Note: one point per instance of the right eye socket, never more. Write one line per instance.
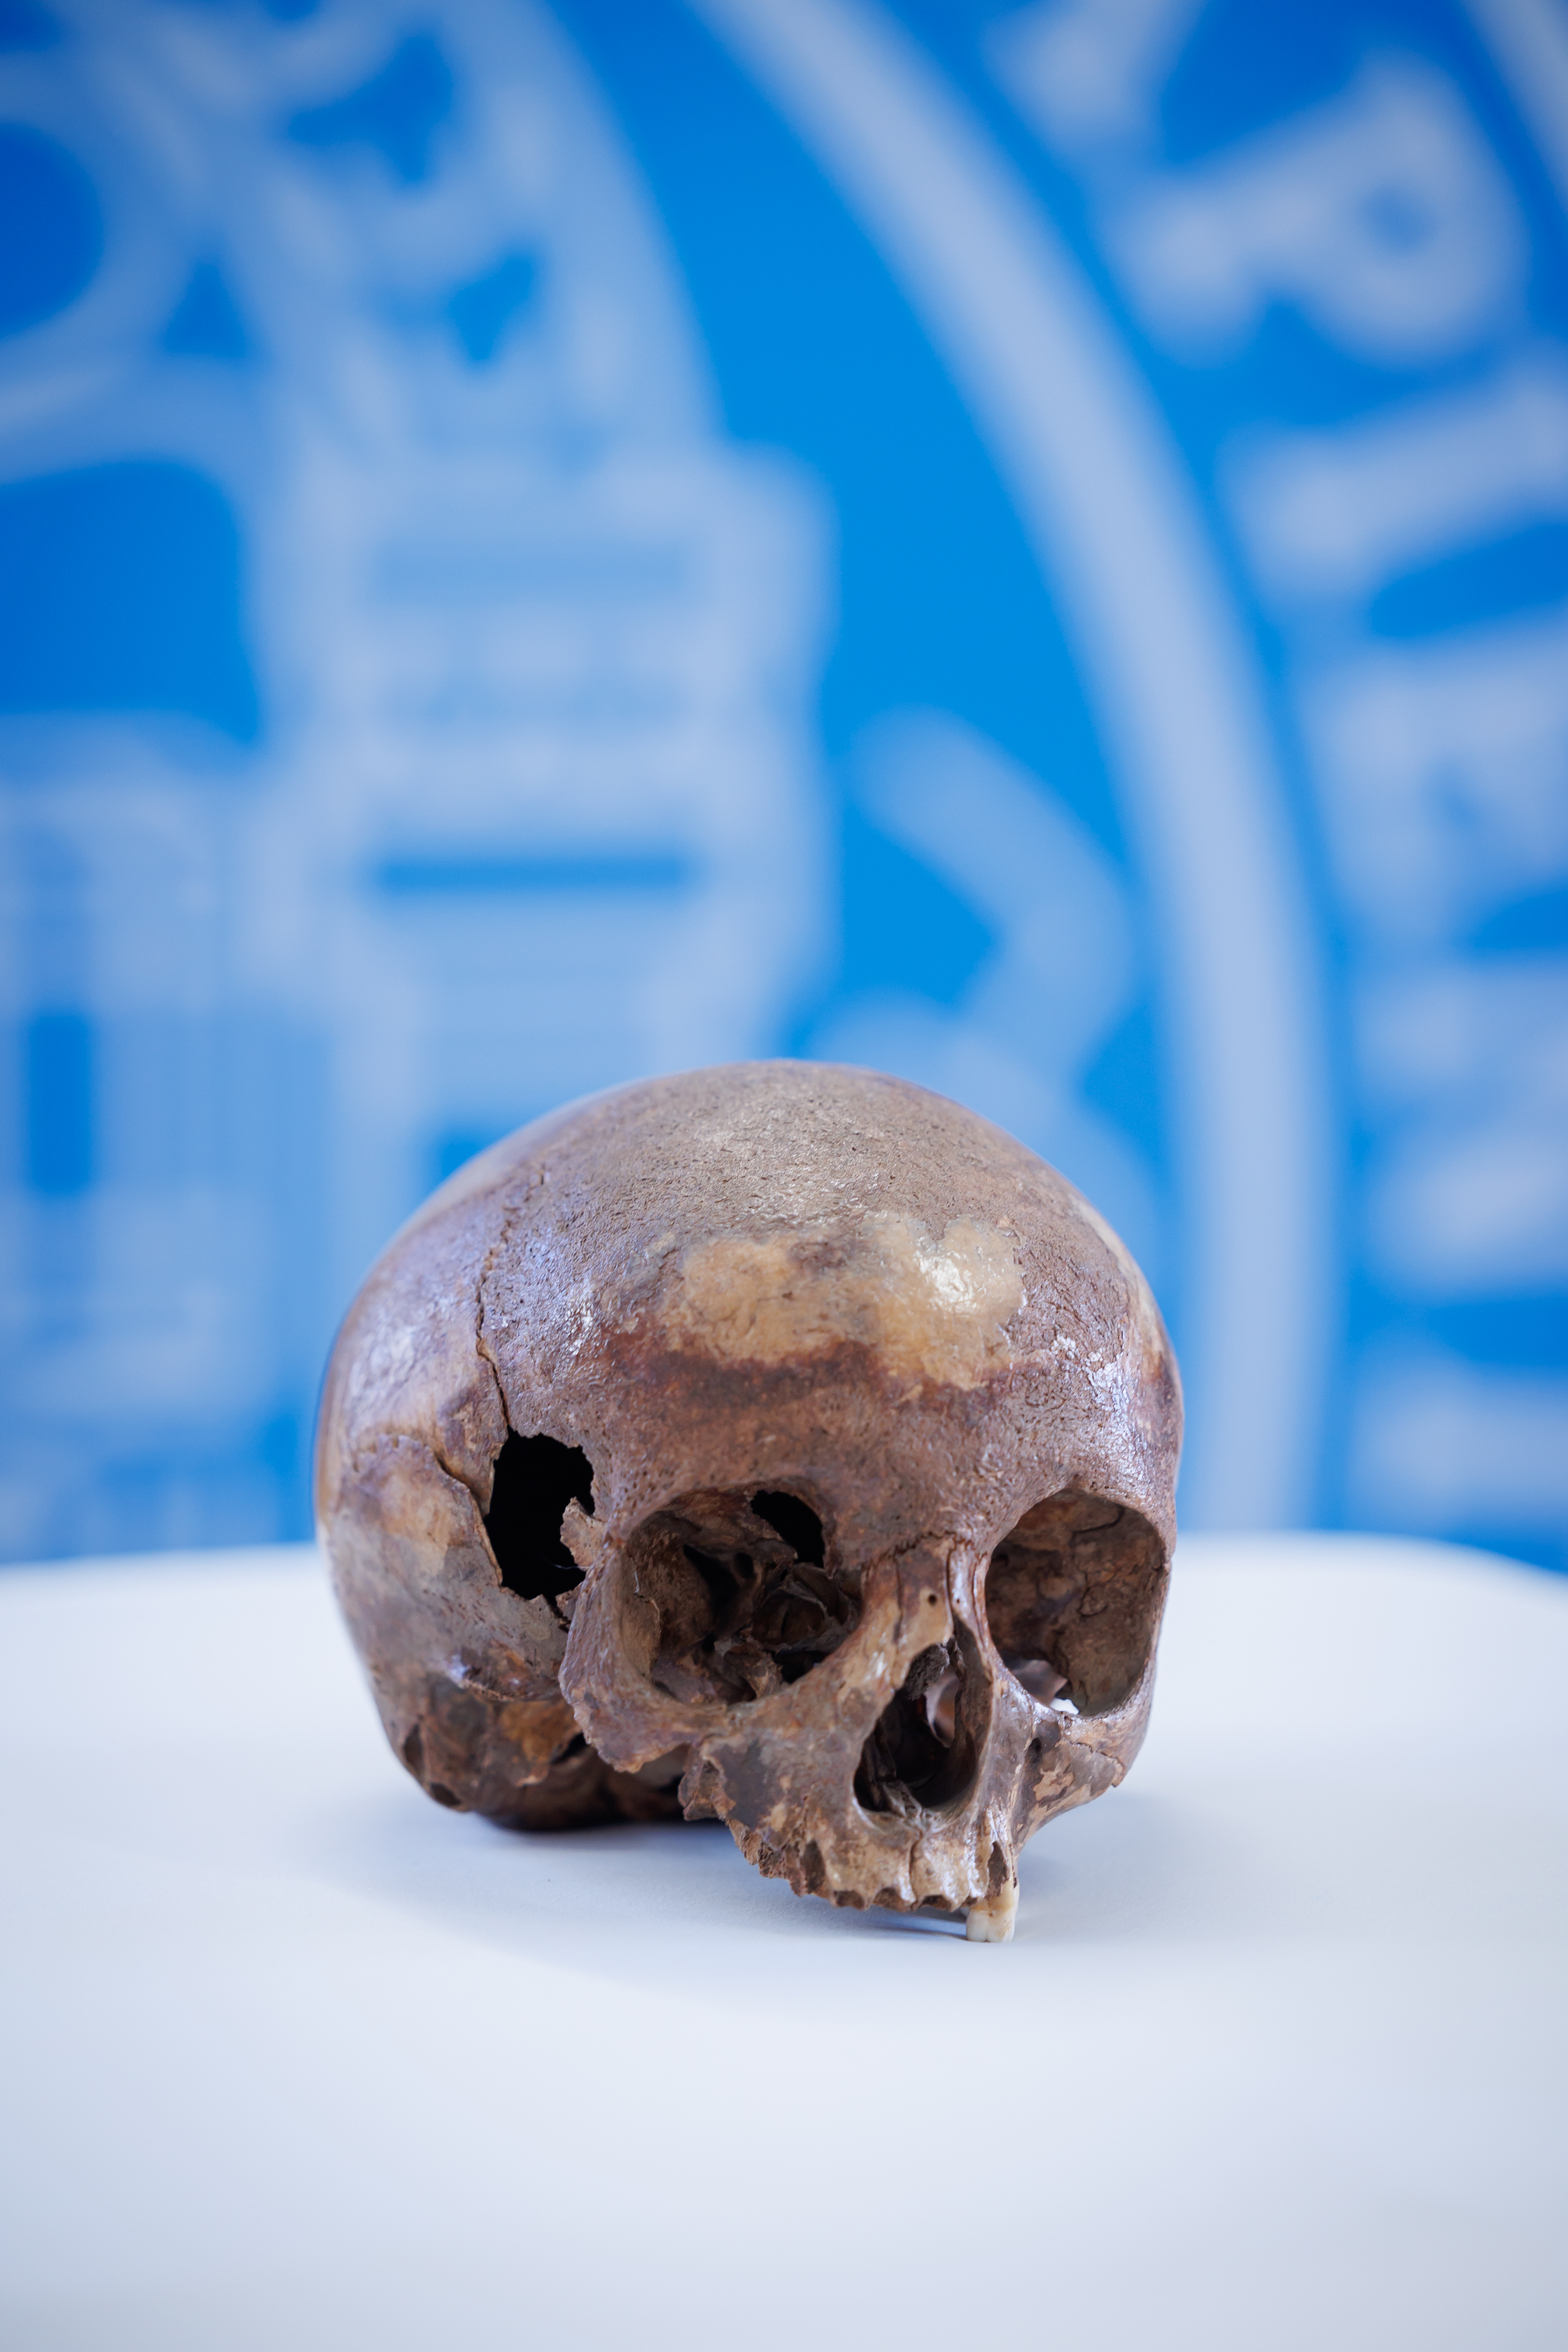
(745, 1599)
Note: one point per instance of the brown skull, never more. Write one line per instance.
(780, 1442)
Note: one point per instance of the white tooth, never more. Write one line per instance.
(990, 1922)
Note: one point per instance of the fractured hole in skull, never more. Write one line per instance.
(921, 1753)
(535, 1478)
(745, 1599)
(1072, 1596)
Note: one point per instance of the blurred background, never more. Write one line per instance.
(1023, 545)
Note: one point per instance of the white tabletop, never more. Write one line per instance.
(294, 2059)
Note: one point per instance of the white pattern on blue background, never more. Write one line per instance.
(536, 810)
(418, 696)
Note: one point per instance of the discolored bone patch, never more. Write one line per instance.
(931, 1309)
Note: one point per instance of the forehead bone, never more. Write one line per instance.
(768, 1213)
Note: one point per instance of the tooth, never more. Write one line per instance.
(990, 1922)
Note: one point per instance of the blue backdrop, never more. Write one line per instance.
(1024, 545)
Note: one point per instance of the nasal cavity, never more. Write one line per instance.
(922, 1752)
(535, 1478)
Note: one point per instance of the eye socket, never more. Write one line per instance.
(534, 1479)
(796, 1521)
(745, 1599)
(1072, 1596)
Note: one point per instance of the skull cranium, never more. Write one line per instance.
(779, 1443)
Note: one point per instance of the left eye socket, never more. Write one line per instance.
(1072, 1596)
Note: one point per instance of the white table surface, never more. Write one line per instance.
(294, 2059)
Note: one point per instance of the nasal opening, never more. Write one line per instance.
(921, 1753)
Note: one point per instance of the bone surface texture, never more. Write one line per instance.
(780, 1443)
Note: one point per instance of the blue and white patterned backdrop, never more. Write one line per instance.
(1026, 545)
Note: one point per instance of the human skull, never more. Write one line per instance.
(779, 1443)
